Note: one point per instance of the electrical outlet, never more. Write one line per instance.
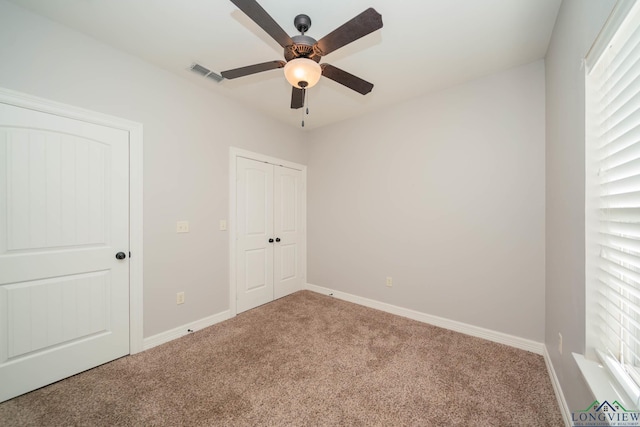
(389, 282)
(182, 227)
(560, 342)
(180, 298)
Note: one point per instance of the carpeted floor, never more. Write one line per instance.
(304, 360)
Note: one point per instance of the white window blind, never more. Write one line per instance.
(613, 200)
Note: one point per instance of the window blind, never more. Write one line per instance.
(613, 199)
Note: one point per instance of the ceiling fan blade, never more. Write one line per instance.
(297, 98)
(346, 79)
(252, 69)
(253, 10)
(363, 24)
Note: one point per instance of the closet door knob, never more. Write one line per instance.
(270, 240)
(277, 239)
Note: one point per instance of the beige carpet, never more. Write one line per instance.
(304, 360)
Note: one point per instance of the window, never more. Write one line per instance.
(613, 197)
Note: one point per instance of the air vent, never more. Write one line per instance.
(197, 68)
(204, 71)
(214, 76)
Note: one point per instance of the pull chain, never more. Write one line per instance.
(305, 99)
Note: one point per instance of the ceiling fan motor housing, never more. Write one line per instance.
(302, 47)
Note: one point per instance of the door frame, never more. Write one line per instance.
(134, 129)
(234, 153)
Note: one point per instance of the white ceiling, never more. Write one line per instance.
(424, 46)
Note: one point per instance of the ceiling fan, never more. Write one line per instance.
(302, 53)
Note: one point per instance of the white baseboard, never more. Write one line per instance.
(180, 331)
(562, 402)
(476, 331)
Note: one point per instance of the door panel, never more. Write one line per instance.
(257, 199)
(288, 256)
(42, 314)
(288, 198)
(64, 213)
(254, 257)
(256, 262)
(55, 191)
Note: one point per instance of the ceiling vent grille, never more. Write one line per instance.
(204, 71)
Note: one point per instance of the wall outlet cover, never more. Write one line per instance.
(182, 227)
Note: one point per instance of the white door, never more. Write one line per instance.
(64, 209)
(288, 231)
(270, 235)
(254, 261)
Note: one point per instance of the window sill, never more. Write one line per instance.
(601, 384)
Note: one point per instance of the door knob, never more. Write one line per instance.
(270, 240)
(277, 239)
(121, 255)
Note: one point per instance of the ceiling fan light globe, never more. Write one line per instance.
(302, 70)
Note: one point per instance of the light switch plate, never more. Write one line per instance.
(223, 224)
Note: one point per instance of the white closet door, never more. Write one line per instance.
(64, 214)
(254, 252)
(288, 229)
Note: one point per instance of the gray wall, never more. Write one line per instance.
(187, 134)
(577, 26)
(444, 193)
